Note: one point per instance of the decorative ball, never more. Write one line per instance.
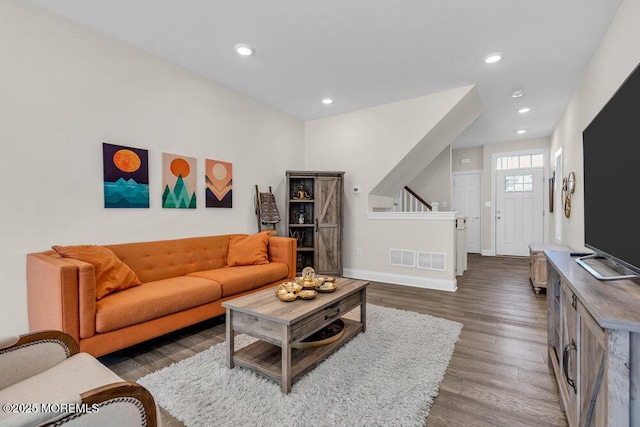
(308, 273)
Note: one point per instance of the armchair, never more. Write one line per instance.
(44, 380)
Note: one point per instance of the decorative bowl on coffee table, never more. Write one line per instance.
(327, 287)
(307, 294)
(284, 295)
(330, 333)
(292, 286)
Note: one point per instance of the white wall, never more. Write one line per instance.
(64, 90)
(614, 60)
(475, 156)
(367, 144)
(434, 183)
(481, 159)
(447, 115)
(488, 151)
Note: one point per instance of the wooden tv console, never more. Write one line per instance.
(594, 344)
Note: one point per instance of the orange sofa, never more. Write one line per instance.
(184, 281)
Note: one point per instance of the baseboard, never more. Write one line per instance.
(401, 279)
(487, 252)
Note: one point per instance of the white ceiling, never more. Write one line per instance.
(364, 53)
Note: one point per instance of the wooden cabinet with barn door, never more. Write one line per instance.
(594, 344)
(314, 219)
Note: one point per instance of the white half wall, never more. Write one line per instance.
(64, 90)
(433, 232)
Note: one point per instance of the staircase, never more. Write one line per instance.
(408, 201)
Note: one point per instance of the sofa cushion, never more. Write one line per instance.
(153, 300)
(163, 259)
(248, 250)
(112, 274)
(244, 278)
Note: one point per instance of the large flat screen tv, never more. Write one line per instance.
(611, 147)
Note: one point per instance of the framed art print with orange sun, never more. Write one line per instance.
(178, 181)
(126, 176)
(218, 177)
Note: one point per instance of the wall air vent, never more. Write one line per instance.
(402, 257)
(432, 261)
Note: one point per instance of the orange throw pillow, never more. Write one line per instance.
(112, 274)
(248, 250)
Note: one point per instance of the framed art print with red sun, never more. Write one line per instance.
(218, 177)
(126, 176)
(178, 181)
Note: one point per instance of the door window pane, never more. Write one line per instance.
(525, 161)
(537, 161)
(518, 183)
(512, 162)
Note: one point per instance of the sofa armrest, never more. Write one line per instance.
(283, 249)
(118, 404)
(125, 393)
(7, 341)
(34, 353)
(61, 294)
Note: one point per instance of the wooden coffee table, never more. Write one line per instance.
(278, 325)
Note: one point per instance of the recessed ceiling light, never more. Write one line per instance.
(327, 101)
(517, 93)
(493, 58)
(521, 131)
(524, 110)
(244, 49)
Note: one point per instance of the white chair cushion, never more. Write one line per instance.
(69, 378)
(30, 419)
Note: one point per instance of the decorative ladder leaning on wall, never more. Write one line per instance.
(266, 210)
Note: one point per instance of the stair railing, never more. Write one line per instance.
(412, 202)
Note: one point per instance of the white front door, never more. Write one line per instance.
(519, 210)
(467, 202)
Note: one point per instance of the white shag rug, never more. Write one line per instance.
(387, 376)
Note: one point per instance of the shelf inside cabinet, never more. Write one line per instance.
(314, 219)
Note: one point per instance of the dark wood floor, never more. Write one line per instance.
(498, 375)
